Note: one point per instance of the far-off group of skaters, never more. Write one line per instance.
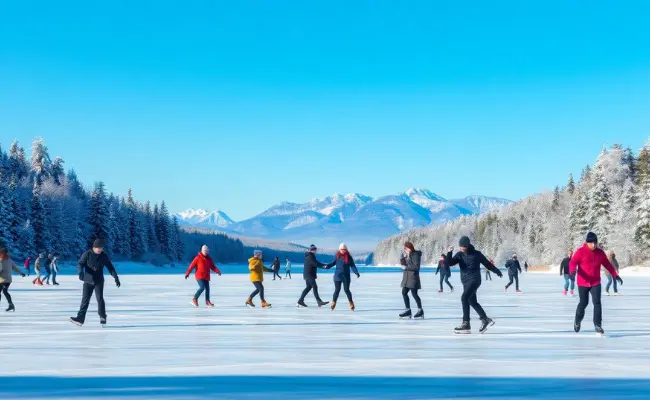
(583, 266)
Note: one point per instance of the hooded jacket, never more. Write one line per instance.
(411, 276)
(587, 263)
(343, 268)
(470, 264)
(310, 270)
(513, 266)
(564, 266)
(443, 268)
(257, 269)
(6, 266)
(92, 265)
(203, 265)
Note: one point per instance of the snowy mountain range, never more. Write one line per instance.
(359, 219)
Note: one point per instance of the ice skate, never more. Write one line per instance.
(572, 294)
(266, 305)
(102, 321)
(333, 306)
(352, 307)
(209, 304)
(195, 302)
(599, 330)
(11, 308)
(565, 292)
(485, 324)
(301, 304)
(75, 321)
(464, 328)
(617, 294)
(249, 303)
(406, 314)
(576, 326)
(440, 291)
(519, 291)
(322, 303)
(419, 314)
(607, 293)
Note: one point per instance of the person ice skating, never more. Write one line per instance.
(310, 274)
(586, 262)
(28, 262)
(37, 269)
(469, 260)
(54, 269)
(488, 277)
(48, 270)
(91, 273)
(526, 266)
(514, 269)
(569, 279)
(612, 259)
(411, 280)
(288, 269)
(276, 268)
(6, 266)
(344, 263)
(257, 269)
(202, 263)
(445, 273)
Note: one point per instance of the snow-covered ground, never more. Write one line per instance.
(157, 345)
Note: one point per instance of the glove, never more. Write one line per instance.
(619, 280)
(81, 276)
(187, 276)
(219, 273)
(358, 276)
(23, 275)
(117, 282)
(499, 274)
(450, 249)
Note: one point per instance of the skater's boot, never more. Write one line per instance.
(265, 304)
(301, 304)
(39, 282)
(464, 328)
(506, 288)
(572, 294)
(440, 291)
(102, 321)
(322, 303)
(55, 284)
(333, 306)
(565, 292)
(576, 326)
(76, 321)
(599, 330)
(195, 302)
(419, 314)
(452, 290)
(485, 324)
(607, 293)
(352, 307)
(249, 303)
(209, 304)
(519, 291)
(406, 314)
(11, 308)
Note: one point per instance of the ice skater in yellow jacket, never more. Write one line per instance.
(257, 269)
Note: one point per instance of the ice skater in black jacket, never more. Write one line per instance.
(469, 260)
(91, 272)
(310, 273)
(514, 269)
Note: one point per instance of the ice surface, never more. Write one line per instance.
(157, 345)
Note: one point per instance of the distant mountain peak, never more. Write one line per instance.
(206, 219)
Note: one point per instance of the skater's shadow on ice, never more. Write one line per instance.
(210, 325)
(320, 387)
(44, 290)
(626, 334)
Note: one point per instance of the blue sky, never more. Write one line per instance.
(240, 105)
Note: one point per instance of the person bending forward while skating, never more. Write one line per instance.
(91, 273)
(257, 269)
(469, 260)
(344, 263)
(203, 264)
(587, 261)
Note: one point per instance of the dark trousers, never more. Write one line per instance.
(583, 292)
(276, 272)
(311, 284)
(515, 278)
(488, 277)
(346, 287)
(46, 278)
(469, 299)
(204, 285)
(288, 274)
(4, 289)
(416, 297)
(88, 290)
(259, 289)
(611, 280)
(54, 276)
(445, 278)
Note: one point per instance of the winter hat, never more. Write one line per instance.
(464, 242)
(312, 248)
(514, 255)
(257, 253)
(409, 246)
(204, 248)
(343, 246)
(98, 243)
(592, 238)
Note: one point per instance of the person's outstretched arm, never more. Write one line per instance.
(519, 267)
(490, 266)
(452, 259)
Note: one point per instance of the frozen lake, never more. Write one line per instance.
(157, 345)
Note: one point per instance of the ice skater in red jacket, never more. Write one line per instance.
(203, 264)
(587, 260)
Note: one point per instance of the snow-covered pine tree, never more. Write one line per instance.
(38, 219)
(600, 207)
(25, 240)
(152, 240)
(643, 198)
(571, 185)
(165, 236)
(137, 232)
(57, 171)
(556, 199)
(74, 185)
(113, 225)
(98, 217)
(123, 228)
(156, 224)
(6, 238)
(578, 222)
(41, 163)
(180, 243)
